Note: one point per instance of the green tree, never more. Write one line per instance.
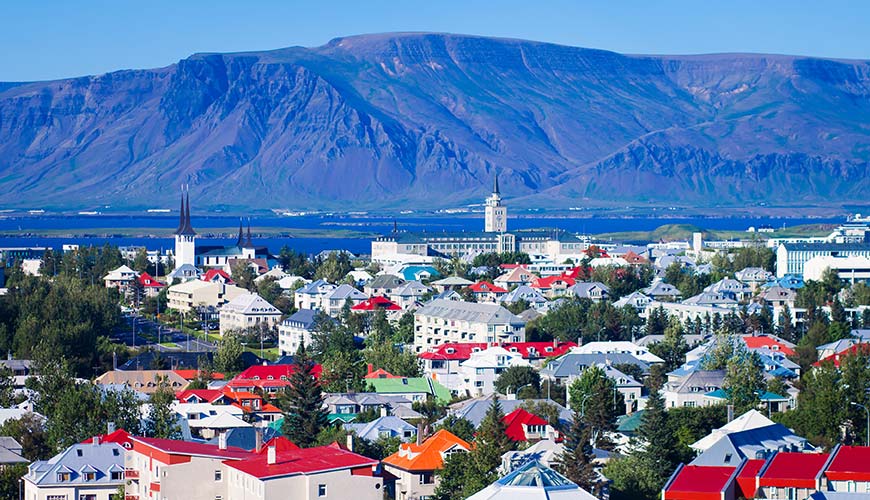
(744, 380)
(228, 357)
(10, 475)
(595, 396)
(162, 419)
(659, 443)
(302, 403)
(29, 431)
(524, 379)
(576, 460)
(458, 426)
(140, 262)
(633, 478)
(334, 268)
(673, 347)
(243, 275)
(453, 477)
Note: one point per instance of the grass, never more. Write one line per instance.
(683, 232)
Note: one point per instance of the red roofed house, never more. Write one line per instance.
(150, 285)
(213, 396)
(484, 291)
(835, 358)
(376, 303)
(271, 379)
(218, 276)
(791, 475)
(118, 436)
(522, 426)
(746, 478)
(848, 470)
(768, 342)
(635, 259)
(553, 286)
(166, 468)
(701, 482)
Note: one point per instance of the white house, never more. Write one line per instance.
(624, 347)
(246, 311)
(478, 373)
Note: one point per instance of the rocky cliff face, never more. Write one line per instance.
(423, 120)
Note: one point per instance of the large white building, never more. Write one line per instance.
(442, 321)
(791, 257)
(196, 293)
(495, 215)
(851, 269)
(479, 372)
(247, 311)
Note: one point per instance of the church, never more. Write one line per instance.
(189, 256)
(495, 237)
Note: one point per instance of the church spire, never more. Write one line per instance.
(184, 226)
(180, 229)
(241, 239)
(495, 184)
(249, 243)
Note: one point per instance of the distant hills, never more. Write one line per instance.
(424, 120)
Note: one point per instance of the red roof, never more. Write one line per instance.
(633, 258)
(835, 358)
(301, 461)
(214, 275)
(375, 303)
(698, 482)
(178, 447)
(765, 341)
(148, 281)
(508, 267)
(270, 372)
(119, 436)
(194, 374)
(793, 470)
(208, 395)
(551, 281)
(746, 478)
(280, 443)
(850, 463)
(529, 350)
(515, 420)
(486, 287)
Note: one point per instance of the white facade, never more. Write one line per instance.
(186, 296)
(849, 269)
(443, 321)
(479, 372)
(247, 311)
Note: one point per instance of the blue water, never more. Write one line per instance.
(375, 224)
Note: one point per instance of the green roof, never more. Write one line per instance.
(410, 385)
(763, 396)
(343, 417)
(629, 423)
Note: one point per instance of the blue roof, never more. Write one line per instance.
(103, 458)
(412, 273)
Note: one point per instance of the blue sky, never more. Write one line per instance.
(46, 39)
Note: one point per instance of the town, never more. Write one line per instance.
(493, 364)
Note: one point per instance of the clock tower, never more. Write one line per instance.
(496, 213)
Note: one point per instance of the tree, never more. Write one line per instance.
(458, 426)
(228, 357)
(140, 262)
(633, 478)
(576, 460)
(594, 395)
(659, 441)
(29, 431)
(673, 347)
(516, 378)
(453, 477)
(243, 275)
(7, 388)
(334, 267)
(304, 415)
(10, 475)
(744, 380)
(162, 420)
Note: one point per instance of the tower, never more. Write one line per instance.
(496, 213)
(248, 249)
(185, 236)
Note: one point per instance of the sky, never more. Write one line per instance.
(49, 39)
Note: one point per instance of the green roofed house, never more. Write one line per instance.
(413, 388)
(775, 402)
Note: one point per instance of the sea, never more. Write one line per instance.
(213, 229)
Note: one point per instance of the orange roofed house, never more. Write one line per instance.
(415, 463)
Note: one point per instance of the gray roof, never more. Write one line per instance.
(313, 288)
(371, 431)
(827, 247)
(523, 292)
(103, 459)
(345, 292)
(634, 299)
(246, 437)
(573, 364)
(710, 299)
(661, 289)
(470, 311)
(411, 289)
(387, 281)
(752, 444)
(475, 409)
(303, 318)
(582, 289)
(706, 379)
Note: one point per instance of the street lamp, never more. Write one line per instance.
(867, 442)
(583, 405)
(517, 391)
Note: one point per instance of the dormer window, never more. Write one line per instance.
(90, 476)
(450, 350)
(63, 476)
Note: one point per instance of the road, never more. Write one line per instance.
(166, 335)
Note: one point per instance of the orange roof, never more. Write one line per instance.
(381, 373)
(764, 341)
(425, 456)
(194, 374)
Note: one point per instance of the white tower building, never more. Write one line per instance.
(496, 213)
(185, 236)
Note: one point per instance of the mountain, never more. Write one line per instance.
(415, 120)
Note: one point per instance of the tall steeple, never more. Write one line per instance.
(241, 240)
(185, 236)
(184, 225)
(249, 243)
(495, 184)
(495, 214)
(180, 229)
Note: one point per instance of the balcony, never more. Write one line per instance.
(131, 497)
(131, 474)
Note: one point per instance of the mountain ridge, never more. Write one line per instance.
(388, 120)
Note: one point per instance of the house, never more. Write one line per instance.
(791, 475)
(523, 293)
(474, 409)
(415, 464)
(484, 291)
(623, 347)
(408, 295)
(346, 406)
(319, 472)
(268, 379)
(690, 389)
(570, 366)
(593, 291)
(11, 452)
(450, 283)
(386, 426)
(90, 471)
(554, 286)
(712, 299)
(312, 295)
(191, 295)
(416, 389)
(477, 374)
(150, 286)
(248, 311)
(755, 277)
(218, 276)
(144, 381)
(662, 291)
(533, 480)
(739, 290)
(694, 482)
(418, 273)
(375, 304)
(522, 426)
(518, 276)
(634, 259)
(183, 272)
(296, 330)
(120, 278)
(383, 285)
(335, 300)
(637, 300)
(442, 321)
(777, 296)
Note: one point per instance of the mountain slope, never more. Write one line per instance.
(423, 121)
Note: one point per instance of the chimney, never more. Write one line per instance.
(370, 368)
(383, 411)
(110, 427)
(349, 442)
(222, 440)
(419, 433)
(258, 440)
(96, 440)
(271, 456)
(730, 413)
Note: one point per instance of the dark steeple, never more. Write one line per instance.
(241, 240)
(184, 226)
(249, 243)
(495, 184)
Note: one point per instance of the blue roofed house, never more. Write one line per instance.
(418, 273)
(526, 293)
(91, 471)
(387, 426)
(295, 330)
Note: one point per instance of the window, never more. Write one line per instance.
(55, 497)
(79, 453)
(90, 476)
(117, 476)
(727, 458)
(427, 478)
(63, 476)
(87, 497)
(217, 475)
(321, 490)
